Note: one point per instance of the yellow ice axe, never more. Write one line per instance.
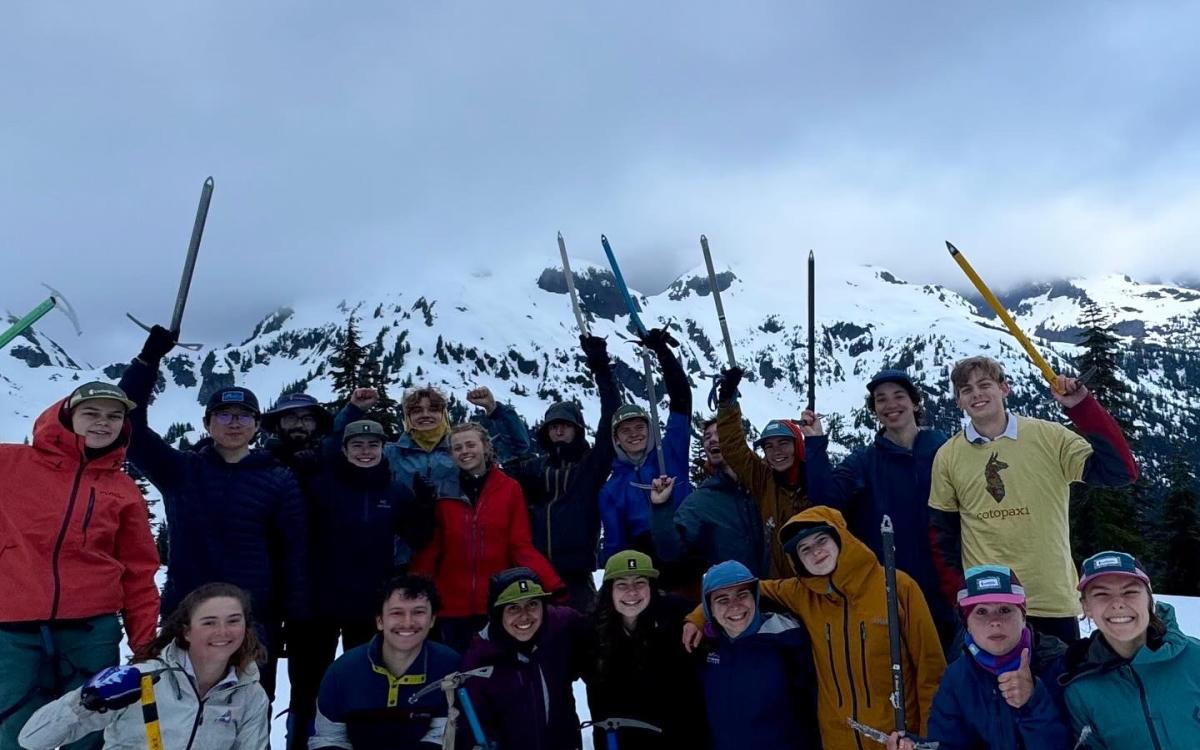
(1038, 360)
(154, 740)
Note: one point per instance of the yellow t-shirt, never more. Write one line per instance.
(1013, 499)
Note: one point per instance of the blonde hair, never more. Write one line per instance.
(484, 437)
(987, 367)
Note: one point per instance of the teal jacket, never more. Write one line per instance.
(1151, 701)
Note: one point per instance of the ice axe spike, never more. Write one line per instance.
(189, 265)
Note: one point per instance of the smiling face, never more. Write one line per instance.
(1120, 607)
(470, 454)
(522, 619)
(561, 432)
(982, 397)
(98, 421)
(217, 630)
(232, 427)
(631, 595)
(996, 627)
(818, 554)
(711, 445)
(733, 608)
(893, 406)
(423, 415)
(297, 426)
(632, 436)
(780, 453)
(364, 451)
(405, 621)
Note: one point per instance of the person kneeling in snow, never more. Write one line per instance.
(840, 596)
(1003, 694)
(759, 680)
(537, 650)
(364, 701)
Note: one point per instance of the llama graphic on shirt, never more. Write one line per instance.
(991, 472)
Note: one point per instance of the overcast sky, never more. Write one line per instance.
(350, 141)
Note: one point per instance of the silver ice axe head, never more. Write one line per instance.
(61, 303)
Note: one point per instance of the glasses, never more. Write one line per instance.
(226, 419)
(292, 420)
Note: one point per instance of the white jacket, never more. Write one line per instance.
(235, 715)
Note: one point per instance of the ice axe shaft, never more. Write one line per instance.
(655, 432)
(888, 534)
(621, 286)
(1038, 360)
(154, 740)
(812, 333)
(570, 278)
(716, 293)
(881, 737)
(55, 300)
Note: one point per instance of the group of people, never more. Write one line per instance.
(456, 565)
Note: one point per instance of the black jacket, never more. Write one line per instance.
(241, 523)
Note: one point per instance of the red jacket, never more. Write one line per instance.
(75, 537)
(472, 544)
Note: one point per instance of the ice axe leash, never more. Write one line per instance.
(54, 301)
(888, 533)
(881, 737)
(1038, 360)
(716, 293)
(453, 685)
(612, 726)
(189, 265)
(621, 286)
(570, 278)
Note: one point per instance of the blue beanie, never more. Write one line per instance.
(722, 576)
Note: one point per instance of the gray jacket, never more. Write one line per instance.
(235, 714)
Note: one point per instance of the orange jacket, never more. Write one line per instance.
(846, 617)
(75, 537)
(474, 542)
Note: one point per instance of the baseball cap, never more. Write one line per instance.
(364, 428)
(991, 583)
(776, 428)
(899, 377)
(98, 389)
(1111, 563)
(518, 591)
(232, 396)
(629, 563)
(627, 412)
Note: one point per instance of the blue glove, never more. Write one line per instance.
(112, 689)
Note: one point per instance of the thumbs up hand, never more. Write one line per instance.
(1017, 686)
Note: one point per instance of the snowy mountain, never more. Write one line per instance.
(512, 329)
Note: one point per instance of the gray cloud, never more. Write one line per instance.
(354, 143)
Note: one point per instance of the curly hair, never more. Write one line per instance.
(437, 399)
(488, 451)
(175, 626)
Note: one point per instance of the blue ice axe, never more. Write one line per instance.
(610, 727)
(452, 686)
(621, 286)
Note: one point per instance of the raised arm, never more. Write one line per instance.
(752, 472)
(826, 485)
(1109, 462)
(508, 431)
(679, 391)
(153, 456)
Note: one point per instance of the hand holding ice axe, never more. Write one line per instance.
(611, 726)
(452, 685)
(189, 266)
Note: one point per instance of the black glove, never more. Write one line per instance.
(658, 340)
(424, 490)
(595, 349)
(158, 344)
(727, 386)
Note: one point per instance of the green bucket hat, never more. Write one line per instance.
(519, 591)
(629, 563)
(364, 428)
(98, 389)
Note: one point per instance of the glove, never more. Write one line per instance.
(424, 490)
(112, 689)
(158, 344)
(595, 349)
(657, 340)
(727, 385)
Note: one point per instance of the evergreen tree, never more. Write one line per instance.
(346, 364)
(1102, 517)
(1181, 531)
(387, 411)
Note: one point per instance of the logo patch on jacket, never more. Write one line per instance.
(225, 718)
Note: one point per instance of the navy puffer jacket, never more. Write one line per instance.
(241, 523)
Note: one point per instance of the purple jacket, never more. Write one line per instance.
(528, 703)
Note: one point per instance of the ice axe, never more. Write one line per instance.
(622, 287)
(189, 265)
(611, 726)
(453, 686)
(881, 737)
(1038, 360)
(55, 300)
(716, 293)
(570, 278)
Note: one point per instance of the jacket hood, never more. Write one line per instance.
(722, 576)
(176, 659)
(1093, 655)
(855, 560)
(564, 411)
(53, 437)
